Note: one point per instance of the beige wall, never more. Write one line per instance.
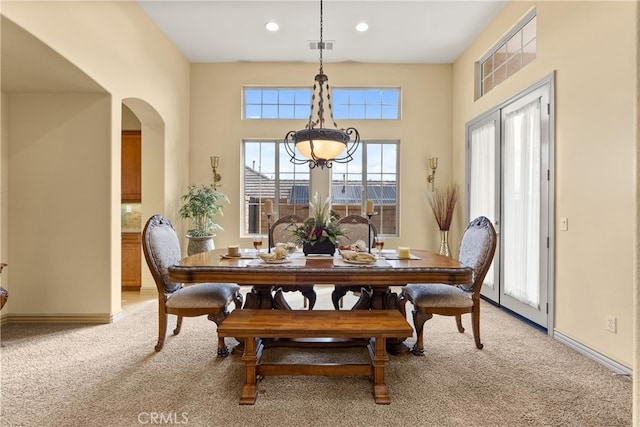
(424, 131)
(591, 47)
(64, 154)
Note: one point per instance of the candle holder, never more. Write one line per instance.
(369, 215)
(269, 231)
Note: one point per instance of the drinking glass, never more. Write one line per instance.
(379, 245)
(257, 243)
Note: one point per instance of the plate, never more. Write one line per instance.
(358, 262)
(232, 256)
(276, 261)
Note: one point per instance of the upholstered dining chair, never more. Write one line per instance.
(280, 233)
(161, 249)
(476, 250)
(356, 227)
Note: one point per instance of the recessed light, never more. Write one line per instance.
(271, 26)
(362, 27)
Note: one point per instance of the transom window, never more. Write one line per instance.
(269, 175)
(366, 103)
(509, 55)
(346, 103)
(277, 103)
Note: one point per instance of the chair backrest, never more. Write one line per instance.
(161, 249)
(476, 250)
(356, 228)
(279, 232)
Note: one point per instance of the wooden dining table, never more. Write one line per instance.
(300, 272)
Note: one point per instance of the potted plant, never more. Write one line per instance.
(318, 233)
(201, 205)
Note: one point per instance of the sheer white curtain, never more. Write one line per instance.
(521, 204)
(482, 179)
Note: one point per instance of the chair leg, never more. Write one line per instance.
(304, 302)
(309, 294)
(418, 322)
(459, 323)
(176, 331)
(218, 318)
(162, 329)
(475, 325)
(336, 296)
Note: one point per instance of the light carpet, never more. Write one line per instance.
(110, 375)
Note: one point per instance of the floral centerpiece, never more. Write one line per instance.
(318, 233)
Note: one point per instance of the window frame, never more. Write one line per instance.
(502, 43)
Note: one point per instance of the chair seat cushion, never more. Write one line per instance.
(437, 295)
(203, 295)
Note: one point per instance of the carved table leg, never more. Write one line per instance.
(386, 300)
(259, 298)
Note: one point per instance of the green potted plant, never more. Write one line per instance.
(201, 205)
(318, 233)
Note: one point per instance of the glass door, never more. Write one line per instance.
(508, 176)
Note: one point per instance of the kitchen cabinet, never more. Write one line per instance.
(131, 261)
(131, 176)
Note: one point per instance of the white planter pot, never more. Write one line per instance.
(200, 244)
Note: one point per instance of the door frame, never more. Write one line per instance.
(549, 81)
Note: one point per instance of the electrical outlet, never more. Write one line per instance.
(612, 324)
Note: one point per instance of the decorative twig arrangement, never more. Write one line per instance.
(443, 203)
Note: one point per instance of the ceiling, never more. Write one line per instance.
(414, 31)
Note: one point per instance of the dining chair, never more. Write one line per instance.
(476, 250)
(161, 249)
(4, 295)
(356, 227)
(280, 233)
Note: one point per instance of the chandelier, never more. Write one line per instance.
(318, 145)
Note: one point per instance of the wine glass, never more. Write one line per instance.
(379, 245)
(257, 243)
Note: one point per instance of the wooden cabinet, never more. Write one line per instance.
(131, 261)
(131, 166)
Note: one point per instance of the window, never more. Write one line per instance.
(277, 103)
(346, 103)
(269, 175)
(371, 175)
(368, 104)
(511, 54)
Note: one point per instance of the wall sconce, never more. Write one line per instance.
(215, 162)
(433, 164)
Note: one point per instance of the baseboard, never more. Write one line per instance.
(586, 351)
(93, 319)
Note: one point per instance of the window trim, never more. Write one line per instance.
(496, 47)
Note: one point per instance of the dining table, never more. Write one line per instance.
(300, 272)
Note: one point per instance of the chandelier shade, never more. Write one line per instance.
(320, 146)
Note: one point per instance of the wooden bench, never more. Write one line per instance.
(251, 325)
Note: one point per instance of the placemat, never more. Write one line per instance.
(291, 263)
(339, 262)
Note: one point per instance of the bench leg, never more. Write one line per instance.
(378, 359)
(250, 359)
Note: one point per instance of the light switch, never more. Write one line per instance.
(564, 224)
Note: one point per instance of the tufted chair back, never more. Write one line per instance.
(476, 250)
(161, 249)
(356, 228)
(279, 232)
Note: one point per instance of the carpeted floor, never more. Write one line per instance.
(110, 375)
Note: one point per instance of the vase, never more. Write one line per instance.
(322, 248)
(200, 244)
(444, 243)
